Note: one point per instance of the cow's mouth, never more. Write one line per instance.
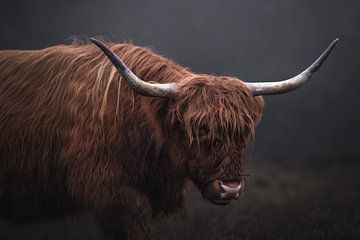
(221, 202)
(222, 193)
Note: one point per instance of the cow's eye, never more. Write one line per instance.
(204, 131)
(216, 143)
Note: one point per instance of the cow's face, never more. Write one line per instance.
(216, 119)
(213, 120)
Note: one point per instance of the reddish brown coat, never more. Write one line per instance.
(71, 133)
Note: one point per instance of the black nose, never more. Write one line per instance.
(231, 189)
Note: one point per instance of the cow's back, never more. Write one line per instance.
(66, 122)
(34, 102)
(34, 120)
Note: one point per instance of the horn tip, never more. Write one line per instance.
(95, 41)
(335, 42)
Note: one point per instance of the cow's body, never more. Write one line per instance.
(74, 137)
(62, 133)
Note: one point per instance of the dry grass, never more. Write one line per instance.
(313, 198)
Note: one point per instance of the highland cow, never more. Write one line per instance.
(80, 132)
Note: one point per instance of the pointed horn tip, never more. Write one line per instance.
(101, 45)
(325, 54)
(334, 42)
(94, 40)
(97, 42)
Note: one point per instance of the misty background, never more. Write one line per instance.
(254, 40)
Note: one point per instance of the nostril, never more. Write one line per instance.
(232, 183)
(230, 188)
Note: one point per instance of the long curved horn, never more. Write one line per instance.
(271, 88)
(140, 86)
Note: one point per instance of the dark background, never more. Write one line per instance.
(308, 138)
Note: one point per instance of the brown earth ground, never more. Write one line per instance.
(315, 197)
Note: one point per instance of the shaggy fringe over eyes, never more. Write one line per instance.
(223, 106)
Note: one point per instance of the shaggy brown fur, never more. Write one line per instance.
(72, 135)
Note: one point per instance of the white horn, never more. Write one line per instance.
(271, 88)
(144, 88)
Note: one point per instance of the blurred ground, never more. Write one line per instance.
(315, 197)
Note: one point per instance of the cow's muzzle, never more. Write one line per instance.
(223, 192)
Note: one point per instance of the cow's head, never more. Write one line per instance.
(214, 120)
